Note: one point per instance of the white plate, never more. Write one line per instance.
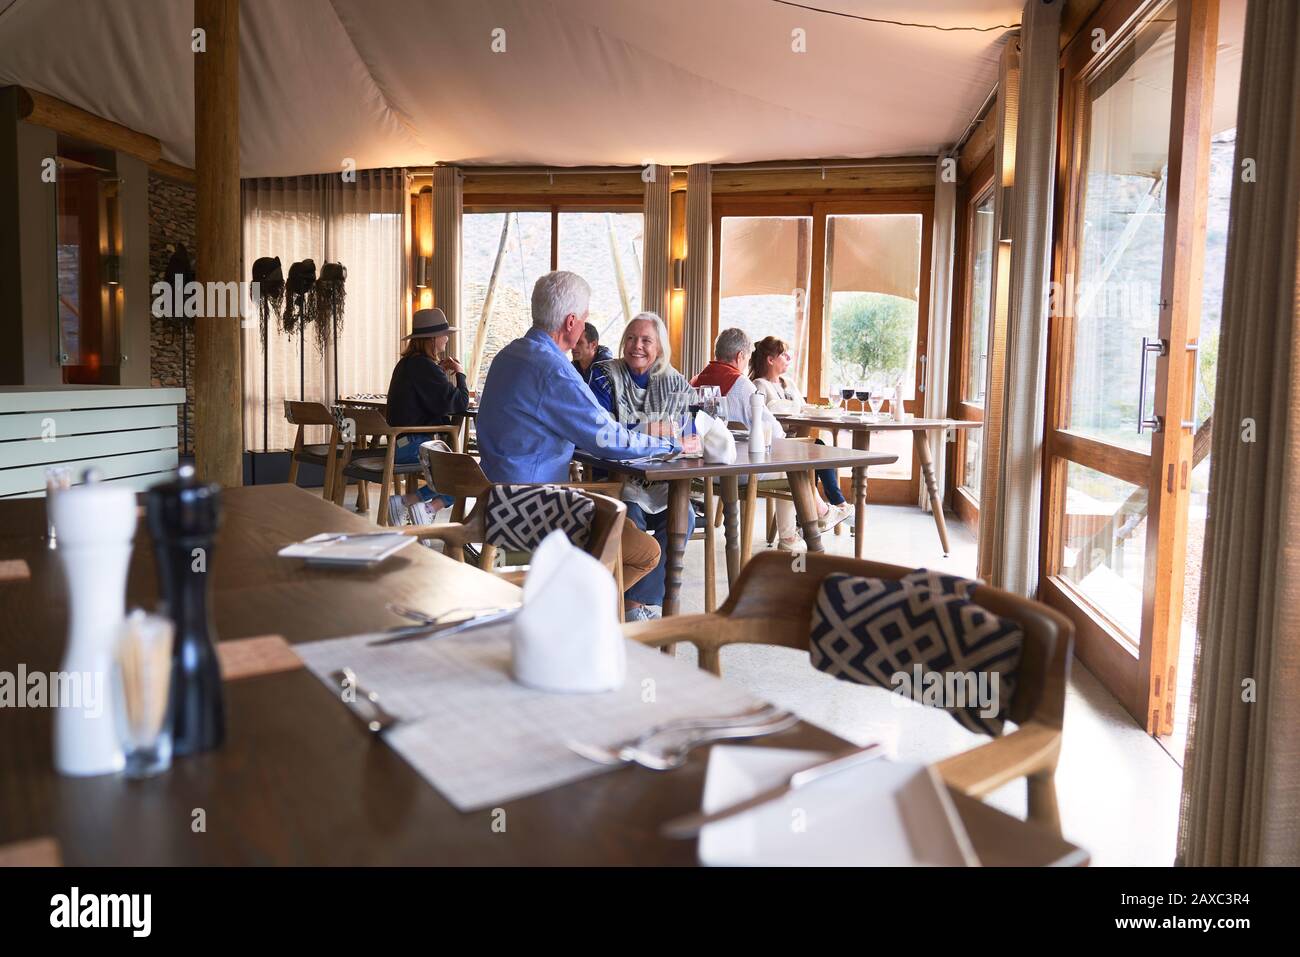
(881, 814)
(363, 550)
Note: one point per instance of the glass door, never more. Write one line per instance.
(1124, 352)
(875, 323)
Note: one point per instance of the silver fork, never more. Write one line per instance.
(626, 751)
(675, 758)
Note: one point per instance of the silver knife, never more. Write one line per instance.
(447, 628)
(689, 825)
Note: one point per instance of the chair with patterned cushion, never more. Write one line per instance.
(369, 450)
(306, 415)
(517, 517)
(819, 611)
(460, 476)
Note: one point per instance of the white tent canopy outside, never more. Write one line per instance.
(580, 82)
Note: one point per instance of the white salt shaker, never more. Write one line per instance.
(95, 524)
(757, 427)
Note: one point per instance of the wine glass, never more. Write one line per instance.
(876, 401)
(863, 394)
(713, 400)
(846, 393)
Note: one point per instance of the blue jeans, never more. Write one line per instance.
(830, 480)
(650, 590)
(409, 454)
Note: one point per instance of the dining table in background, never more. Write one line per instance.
(861, 427)
(299, 779)
(379, 402)
(798, 460)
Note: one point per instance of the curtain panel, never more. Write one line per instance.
(448, 211)
(360, 224)
(1241, 782)
(935, 405)
(657, 268)
(1013, 461)
(697, 326)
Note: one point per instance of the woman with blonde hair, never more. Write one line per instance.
(768, 365)
(642, 391)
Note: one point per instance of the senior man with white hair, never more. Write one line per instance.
(535, 409)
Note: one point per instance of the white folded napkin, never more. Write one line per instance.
(567, 637)
(716, 440)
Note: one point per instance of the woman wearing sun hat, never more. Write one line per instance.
(427, 388)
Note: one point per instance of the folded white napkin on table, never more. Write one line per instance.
(716, 440)
(567, 636)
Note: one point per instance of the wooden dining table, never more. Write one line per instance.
(798, 460)
(862, 427)
(299, 779)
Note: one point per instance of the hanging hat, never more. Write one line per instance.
(427, 323)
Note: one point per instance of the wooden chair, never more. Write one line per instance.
(460, 476)
(770, 605)
(305, 415)
(603, 542)
(367, 465)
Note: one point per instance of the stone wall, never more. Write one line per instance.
(171, 221)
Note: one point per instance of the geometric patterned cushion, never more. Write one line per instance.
(938, 648)
(520, 516)
(941, 582)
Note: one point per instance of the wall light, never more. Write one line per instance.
(1007, 211)
(112, 270)
(679, 273)
(423, 266)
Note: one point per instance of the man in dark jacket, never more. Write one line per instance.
(587, 351)
(424, 390)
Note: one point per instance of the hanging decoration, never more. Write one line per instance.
(268, 293)
(331, 299)
(300, 297)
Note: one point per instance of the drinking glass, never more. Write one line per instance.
(846, 393)
(863, 395)
(57, 478)
(144, 673)
(876, 401)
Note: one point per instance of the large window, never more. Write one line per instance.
(764, 269)
(606, 250)
(503, 252)
(972, 338)
(843, 282)
(502, 255)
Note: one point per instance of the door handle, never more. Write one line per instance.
(1194, 348)
(1154, 422)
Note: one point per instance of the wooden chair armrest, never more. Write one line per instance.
(612, 489)
(455, 532)
(708, 633)
(1032, 747)
(696, 629)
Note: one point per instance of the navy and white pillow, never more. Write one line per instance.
(920, 636)
(520, 516)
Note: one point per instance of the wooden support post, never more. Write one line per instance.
(218, 392)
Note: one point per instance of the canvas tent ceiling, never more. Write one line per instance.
(602, 82)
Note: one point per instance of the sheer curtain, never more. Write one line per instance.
(360, 224)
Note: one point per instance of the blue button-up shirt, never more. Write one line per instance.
(536, 409)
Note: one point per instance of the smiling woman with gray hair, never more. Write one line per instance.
(644, 392)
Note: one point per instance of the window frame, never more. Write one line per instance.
(971, 193)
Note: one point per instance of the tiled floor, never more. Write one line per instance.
(1118, 789)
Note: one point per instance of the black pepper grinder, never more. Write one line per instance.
(184, 516)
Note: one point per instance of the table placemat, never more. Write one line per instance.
(252, 657)
(482, 739)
